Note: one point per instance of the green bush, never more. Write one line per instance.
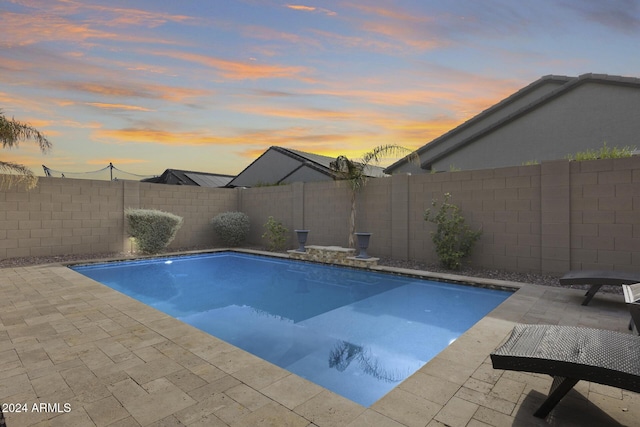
(453, 238)
(231, 227)
(603, 152)
(276, 234)
(152, 229)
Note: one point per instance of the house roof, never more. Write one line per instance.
(316, 162)
(183, 177)
(565, 84)
(325, 162)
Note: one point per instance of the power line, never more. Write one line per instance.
(49, 172)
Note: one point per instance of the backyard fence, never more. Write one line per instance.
(545, 218)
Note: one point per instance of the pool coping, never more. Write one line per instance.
(442, 391)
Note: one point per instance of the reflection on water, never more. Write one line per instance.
(357, 333)
(344, 353)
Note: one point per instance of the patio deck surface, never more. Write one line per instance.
(66, 339)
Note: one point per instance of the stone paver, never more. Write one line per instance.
(65, 339)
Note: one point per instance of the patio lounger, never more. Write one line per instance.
(570, 354)
(632, 298)
(597, 278)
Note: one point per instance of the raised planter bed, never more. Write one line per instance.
(333, 255)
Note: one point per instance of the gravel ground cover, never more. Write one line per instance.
(534, 278)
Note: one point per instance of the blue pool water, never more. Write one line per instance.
(357, 333)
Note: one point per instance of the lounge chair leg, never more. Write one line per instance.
(559, 389)
(590, 293)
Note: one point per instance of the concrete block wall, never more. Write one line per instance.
(374, 214)
(261, 202)
(555, 213)
(196, 205)
(503, 203)
(61, 217)
(75, 216)
(547, 218)
(327, 206)
(605, 214)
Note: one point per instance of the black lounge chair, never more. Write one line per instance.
(597, 278)
(570, 354)
(632, 298)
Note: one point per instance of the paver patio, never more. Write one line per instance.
(66, 339)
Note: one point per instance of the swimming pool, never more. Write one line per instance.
(358, 333)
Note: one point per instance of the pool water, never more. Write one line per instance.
(358, 333)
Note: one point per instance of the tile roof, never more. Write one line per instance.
(183, 177)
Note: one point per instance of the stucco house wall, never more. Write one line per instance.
(306, 174)
(583, 118)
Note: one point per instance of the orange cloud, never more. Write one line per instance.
(125, 90)
(310, 9)
(261, 138)
(159, 136)
(416, 38)
(26, 29)
(108, 106)
(353, 42)
(115, 16)
(237, 70)
(301, 7)
(252, 143)
(265, 33)
(414, 30)
(396, 14)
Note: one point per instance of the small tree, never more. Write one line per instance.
(356, 174)
(276, 234)
(152, 229)
(12, 133)
(453, 238)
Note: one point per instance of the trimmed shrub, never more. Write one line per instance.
(453, 238)
(231, 227)
(152, 229)
(276, 234)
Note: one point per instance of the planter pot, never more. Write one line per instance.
(363, 244)
(302, 239)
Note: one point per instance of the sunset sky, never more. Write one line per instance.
(209, 85)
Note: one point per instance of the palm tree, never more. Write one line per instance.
(12, 133)
(356, 173)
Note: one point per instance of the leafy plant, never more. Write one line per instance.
(356, 173)
(152, 229)
(603, 152)
(276, 234)
(453, 238)
(11, 133)
(530, 163)
(231, 227)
